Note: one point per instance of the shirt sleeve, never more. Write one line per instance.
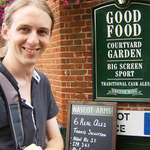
(52, 106)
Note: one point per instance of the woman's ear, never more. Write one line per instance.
(4, 31)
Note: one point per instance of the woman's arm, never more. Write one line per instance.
(55, 141)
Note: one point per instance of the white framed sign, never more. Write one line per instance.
(133, 123)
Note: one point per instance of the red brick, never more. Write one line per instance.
(68, 60)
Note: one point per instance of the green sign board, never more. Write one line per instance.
(122, 50)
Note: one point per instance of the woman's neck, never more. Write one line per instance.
(18, 70)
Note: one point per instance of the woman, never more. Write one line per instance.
(27, 29)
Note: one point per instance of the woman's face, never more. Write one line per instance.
(28, 35)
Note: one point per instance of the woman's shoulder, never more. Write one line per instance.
(40, 76)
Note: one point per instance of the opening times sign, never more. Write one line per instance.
(122, 49)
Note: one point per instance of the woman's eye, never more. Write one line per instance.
(43, 32)
(24, 30)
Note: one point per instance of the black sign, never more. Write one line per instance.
(91, 126)
(121, 46)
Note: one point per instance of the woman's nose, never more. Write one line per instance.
(33, 39)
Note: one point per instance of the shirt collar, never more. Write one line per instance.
(36, 76)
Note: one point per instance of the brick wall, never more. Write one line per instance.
(68, 60)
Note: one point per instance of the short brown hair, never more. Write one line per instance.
(17, 4)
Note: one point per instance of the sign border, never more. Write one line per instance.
(114, 119)
(110, 99)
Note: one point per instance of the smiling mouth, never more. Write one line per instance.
(31, 51)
